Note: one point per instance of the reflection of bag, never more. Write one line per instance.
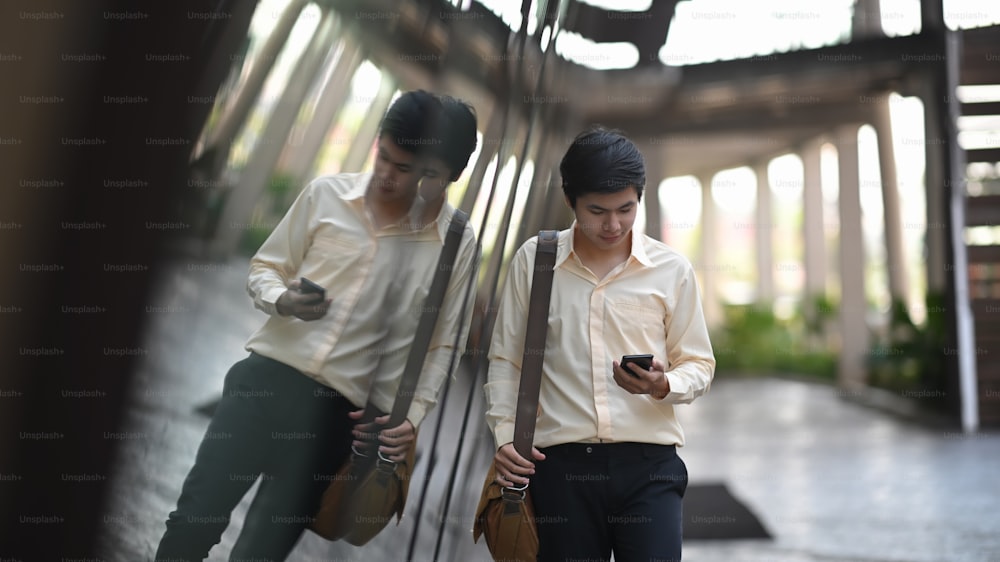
(363, 497)
(369, 490)
(505, 516)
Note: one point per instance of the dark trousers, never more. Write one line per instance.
(592, 499)
(274, 423)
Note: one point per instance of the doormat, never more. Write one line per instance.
(712, 513)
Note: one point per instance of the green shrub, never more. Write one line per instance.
(753, 340)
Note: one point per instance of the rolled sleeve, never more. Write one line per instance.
(442, 347)
(692, 363)
(507, 348)
(279, 257)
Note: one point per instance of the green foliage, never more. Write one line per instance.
(753, 340)
(253, 238)
(281, 190)
(907, 357)
(278, 196)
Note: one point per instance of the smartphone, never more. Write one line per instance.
(307, 286)
(644, 361)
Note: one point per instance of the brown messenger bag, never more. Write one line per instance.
(505, 516)
(369, 490)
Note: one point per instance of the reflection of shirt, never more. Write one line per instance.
(648, 304)
(378, 282)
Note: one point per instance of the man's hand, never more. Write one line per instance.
(513, 469)
(304, 306)
(395, 441)
(653, 382)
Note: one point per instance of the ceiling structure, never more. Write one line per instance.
(705, 117)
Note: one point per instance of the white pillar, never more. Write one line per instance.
(853, 305)
(235, 114)
(545, 152)
(491, 147)
(255, 176)
(813, 229)
(298, 157)
(764, 228)
(368, 131)
(707, 254)
(899, 283)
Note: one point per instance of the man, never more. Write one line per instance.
(289, 410)
(605, 476)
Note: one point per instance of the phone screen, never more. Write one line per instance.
(644, 361)
(307, 286)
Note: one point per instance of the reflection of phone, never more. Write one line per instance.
(644, 361)
(306, 286)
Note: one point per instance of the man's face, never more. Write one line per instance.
(605, 219)
(396, 175)
(436, 177)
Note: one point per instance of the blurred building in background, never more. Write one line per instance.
(831, 169)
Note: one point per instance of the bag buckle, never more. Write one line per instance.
(514, 493)
(384, 464)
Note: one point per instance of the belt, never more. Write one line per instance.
(619, 450)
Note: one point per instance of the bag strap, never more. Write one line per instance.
(428, 319)
(534, 342)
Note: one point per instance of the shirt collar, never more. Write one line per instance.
(565, 248)
(356, 194)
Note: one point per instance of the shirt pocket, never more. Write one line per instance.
(637, 323)
(334, 259)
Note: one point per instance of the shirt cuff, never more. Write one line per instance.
(503, 433)
(673, 395)
(670, 387)
(269, 298)
(416, 414)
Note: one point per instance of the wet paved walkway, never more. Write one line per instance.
(830, 479)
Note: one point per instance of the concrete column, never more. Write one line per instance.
(931, 15)
(556, 213)
(813, 230)
(946, 195)
(298, 157)
(257, 172)
(936, 180)
(899, 282)
(531, 221)
(236, 112)
(707, 254)
(368, 131)
(867, 21)
(763, 237)
(501, 209)
(655, 173)
(491, 146)
(853, 306)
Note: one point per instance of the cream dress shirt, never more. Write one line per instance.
(378, 281)
(648, 304)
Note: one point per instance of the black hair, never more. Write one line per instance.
(422, 123)
(601, 161)
(411, 121)
(457, 131)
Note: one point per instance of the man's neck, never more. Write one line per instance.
(600, 261)
(414, 215)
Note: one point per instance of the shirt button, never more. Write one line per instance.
(590, 449)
